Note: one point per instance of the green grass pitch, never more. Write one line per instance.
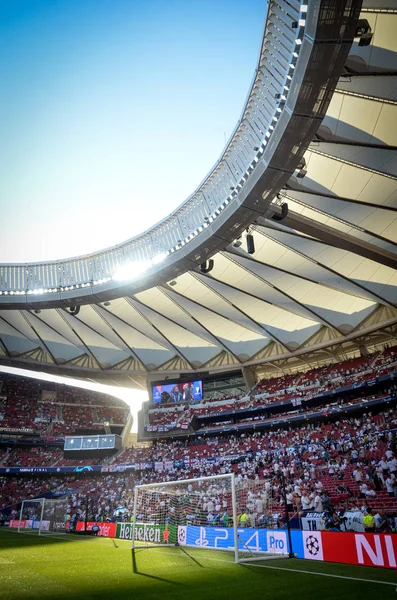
(66, 568)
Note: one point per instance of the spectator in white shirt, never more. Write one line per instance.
(390, 485)
(379, 472)
(392, 465)
(357, 475)
(318, 505)
(290, 499)
(370, 493)
(363, 490)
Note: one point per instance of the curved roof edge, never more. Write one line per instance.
(288, 97)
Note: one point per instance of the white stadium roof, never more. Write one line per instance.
(321, 283)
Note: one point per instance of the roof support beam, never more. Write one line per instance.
(171, 346)
(60, 312)
(350, 163)
(217, 341)
(349, 72)
(330, 236)
(305, 191)
(39, 337)
(264, 231)
(262, 329)
(335, 218)
(127, 346)
(232, 252)
(316, 316)
(164, 343)
(320, 139)
(2, 344)
(26, 337)
(142, 314)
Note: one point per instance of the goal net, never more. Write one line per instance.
(262, 528)
(55, 515)
(43, 515)
(209, 513)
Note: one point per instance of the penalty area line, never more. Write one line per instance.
(304, 572)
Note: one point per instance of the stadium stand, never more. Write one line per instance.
(341, 454)
(318, 461)
(55, 410)
(34, 456)
(297, 389)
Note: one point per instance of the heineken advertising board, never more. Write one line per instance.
(145, 532)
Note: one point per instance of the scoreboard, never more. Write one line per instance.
(85, 446)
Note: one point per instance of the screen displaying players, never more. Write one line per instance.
(169, 393)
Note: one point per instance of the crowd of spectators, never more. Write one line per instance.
(325, 408)
(52, 409)
(297, 387)
(350, 464)
(34, 456)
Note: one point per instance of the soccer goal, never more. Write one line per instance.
(262, 522)
(43, 515)
(212, 512)
(54, 515)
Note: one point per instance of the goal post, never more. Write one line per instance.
(235, 518)
(215, 512)
(43, 515)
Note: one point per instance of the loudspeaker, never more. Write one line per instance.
(283, 214)
(207, 266)
(250, 244)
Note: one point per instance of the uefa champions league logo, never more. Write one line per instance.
(312, 545)
(182, 535)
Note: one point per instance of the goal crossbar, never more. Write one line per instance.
(183, 481)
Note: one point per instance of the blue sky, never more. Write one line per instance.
(111, 112)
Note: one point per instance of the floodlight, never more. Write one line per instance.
(281, 211)
(129, 271)
(363, 32)
(159, 258)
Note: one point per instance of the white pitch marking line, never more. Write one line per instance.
(49, 535)
(305, 572)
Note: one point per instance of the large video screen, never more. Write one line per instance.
(88, 442)
(168, 393)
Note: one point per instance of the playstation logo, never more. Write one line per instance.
(202, 541)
